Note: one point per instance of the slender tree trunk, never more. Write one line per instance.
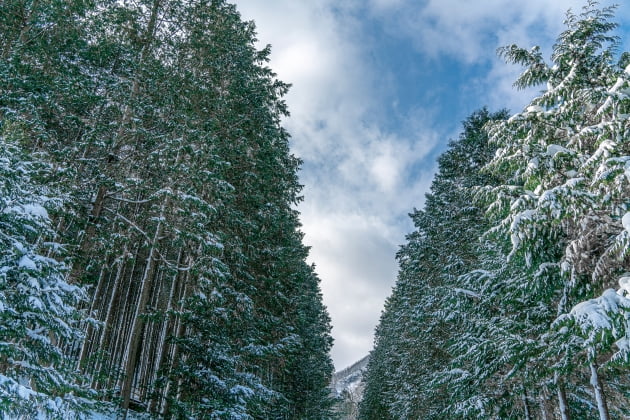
(544, 413)
(138, 321)
(526, 405)
(89, 331)
(166, 331)
(179, 332)
(598, 387)
(562, 402)
(107, 320)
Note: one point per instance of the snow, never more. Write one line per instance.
(533, 164)
(36, 303)
(35, 335)
(535, 108)
(26, 262)
(623, 344)
(625, 221)
(351, 378)
(516, 222)
(596, 313)
(32, 209)
(24, 392)
(35, 210)
(554, 149)
(618, 84)
(466, 292)
(242, 391)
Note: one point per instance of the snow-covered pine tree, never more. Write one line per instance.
(37, 305)
(566, 200)
(377, 395)
(256, 224)
(166, 121)
(430, 314)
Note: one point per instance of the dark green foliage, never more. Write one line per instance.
(162, 121)
(37, 305)
(427, 309)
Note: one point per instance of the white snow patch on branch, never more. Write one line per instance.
(466, 292)
(26, 262)
(625, 221)
(554, 149)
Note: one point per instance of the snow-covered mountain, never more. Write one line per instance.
(350, 378)
(348, 386)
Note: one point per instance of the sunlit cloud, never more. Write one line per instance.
(369, 155)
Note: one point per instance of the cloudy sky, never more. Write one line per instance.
(379, 88)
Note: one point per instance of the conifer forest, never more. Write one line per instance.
(513, 294)
(151, 259)
(152, 263)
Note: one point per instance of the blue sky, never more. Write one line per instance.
(379, 89)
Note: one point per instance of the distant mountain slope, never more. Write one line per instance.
(349, 378)
(348, 386)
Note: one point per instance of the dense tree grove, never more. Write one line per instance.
(151, 256)
(512, 299)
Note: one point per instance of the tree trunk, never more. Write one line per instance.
(562, 402)
(526, 405)
(179, 332)
(112, 300)
(138, 321)
(544, 412)
(596, 382)
(167, 331)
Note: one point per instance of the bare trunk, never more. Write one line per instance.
(596, 382)
(179, 332)
(109, 308)
(138, 321)
(544, 412)
(562, 402)
(166, 331)
(526, 405)
(90, 329)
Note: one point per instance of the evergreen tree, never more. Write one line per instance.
(566, 152)
(180, 189)
(539, 306)
(37, 306)
(427, 312)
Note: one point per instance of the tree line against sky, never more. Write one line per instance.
(512, 298)
(150, 252)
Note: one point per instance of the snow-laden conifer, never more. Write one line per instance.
(37, 305)
(568, 192)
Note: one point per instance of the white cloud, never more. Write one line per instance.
(354, 256)
(352, 168)
(465, 29)
(361, 179)
(471, 31)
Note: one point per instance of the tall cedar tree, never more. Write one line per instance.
(412, 339)
(181, 221)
